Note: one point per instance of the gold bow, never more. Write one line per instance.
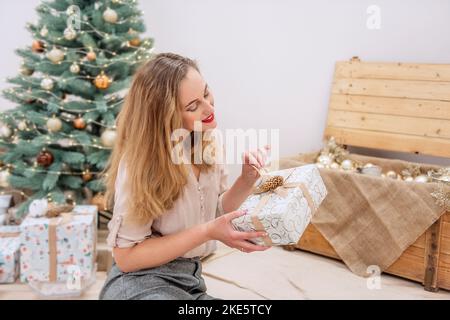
(282, 191)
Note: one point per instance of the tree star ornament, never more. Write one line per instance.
(110, 15)
(55, 55)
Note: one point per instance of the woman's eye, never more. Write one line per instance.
(206, 94)
(193, 108)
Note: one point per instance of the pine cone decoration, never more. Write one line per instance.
(272, 183)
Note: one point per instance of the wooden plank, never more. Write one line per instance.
(444, 271)
(432, 247)
(409, 265)
(390, 141)
(393, 88)
(390, 124)
(432, 109)
(404, 71)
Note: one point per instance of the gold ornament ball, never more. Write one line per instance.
(26, 71)
(391, 174)
(108, 137)
(102, 81)
(22, 125)
(91, 56)
(87, 176)
(54, 124)
(79, 123)
(109, 15)
(4, 178)
(135, 42)
(55, 55)
(70, 33)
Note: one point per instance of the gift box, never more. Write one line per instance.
(9, 253)
(57, 251)
(285, 210)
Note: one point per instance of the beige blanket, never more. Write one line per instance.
(371, 220)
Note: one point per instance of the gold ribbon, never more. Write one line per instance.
(63, 218)
(9, 234)
(282, 191)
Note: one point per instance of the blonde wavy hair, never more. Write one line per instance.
(150, 114)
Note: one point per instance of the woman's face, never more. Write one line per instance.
(197, 102)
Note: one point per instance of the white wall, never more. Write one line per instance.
(270, 62)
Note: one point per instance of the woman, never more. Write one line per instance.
(167, 215)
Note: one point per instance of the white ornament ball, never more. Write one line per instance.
(409, 179)
(109, 15)
(44, 31)
(54, 124)
(70, 33)
(347, 164)
(22, 125)
(72, 10)
(74, 68)
(47, 84)
(325, 160)
(55, 55)
(38, 208)
(4, 177)
(391, 174)
(421, 178)
(5, 131)
(108, 137)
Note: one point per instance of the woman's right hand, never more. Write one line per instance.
(221, 229)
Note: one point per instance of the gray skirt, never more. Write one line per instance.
(179, 279)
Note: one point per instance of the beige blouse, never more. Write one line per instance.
(201, 202)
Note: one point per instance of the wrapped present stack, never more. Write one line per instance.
(58, 248)
(282, 205)
(9, 253)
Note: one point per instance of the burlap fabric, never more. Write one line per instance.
(371, 220)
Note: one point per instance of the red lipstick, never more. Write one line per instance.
(209, 119)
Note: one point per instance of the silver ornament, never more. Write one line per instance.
(55, 55)
(54, 124)
(109, 15)
(70, 33)
(108, 137)
(421, 178)
(74, 68)
(47, 83)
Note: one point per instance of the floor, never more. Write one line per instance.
(275, 274)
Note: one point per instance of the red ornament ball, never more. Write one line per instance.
(44, 158)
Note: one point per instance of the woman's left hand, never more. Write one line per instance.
(257, 158)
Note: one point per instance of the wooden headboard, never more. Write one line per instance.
(391, 106)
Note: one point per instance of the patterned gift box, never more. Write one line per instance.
(284, 212)
(9, 253)
(52, 249)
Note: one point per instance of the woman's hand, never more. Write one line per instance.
(257, 158)
(221, 229)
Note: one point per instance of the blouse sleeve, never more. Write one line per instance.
(223, 186)
(122, 233)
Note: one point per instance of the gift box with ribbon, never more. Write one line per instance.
(9, 253)
(59, 248)
(283, 205)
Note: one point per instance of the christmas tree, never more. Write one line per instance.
(69, 90)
